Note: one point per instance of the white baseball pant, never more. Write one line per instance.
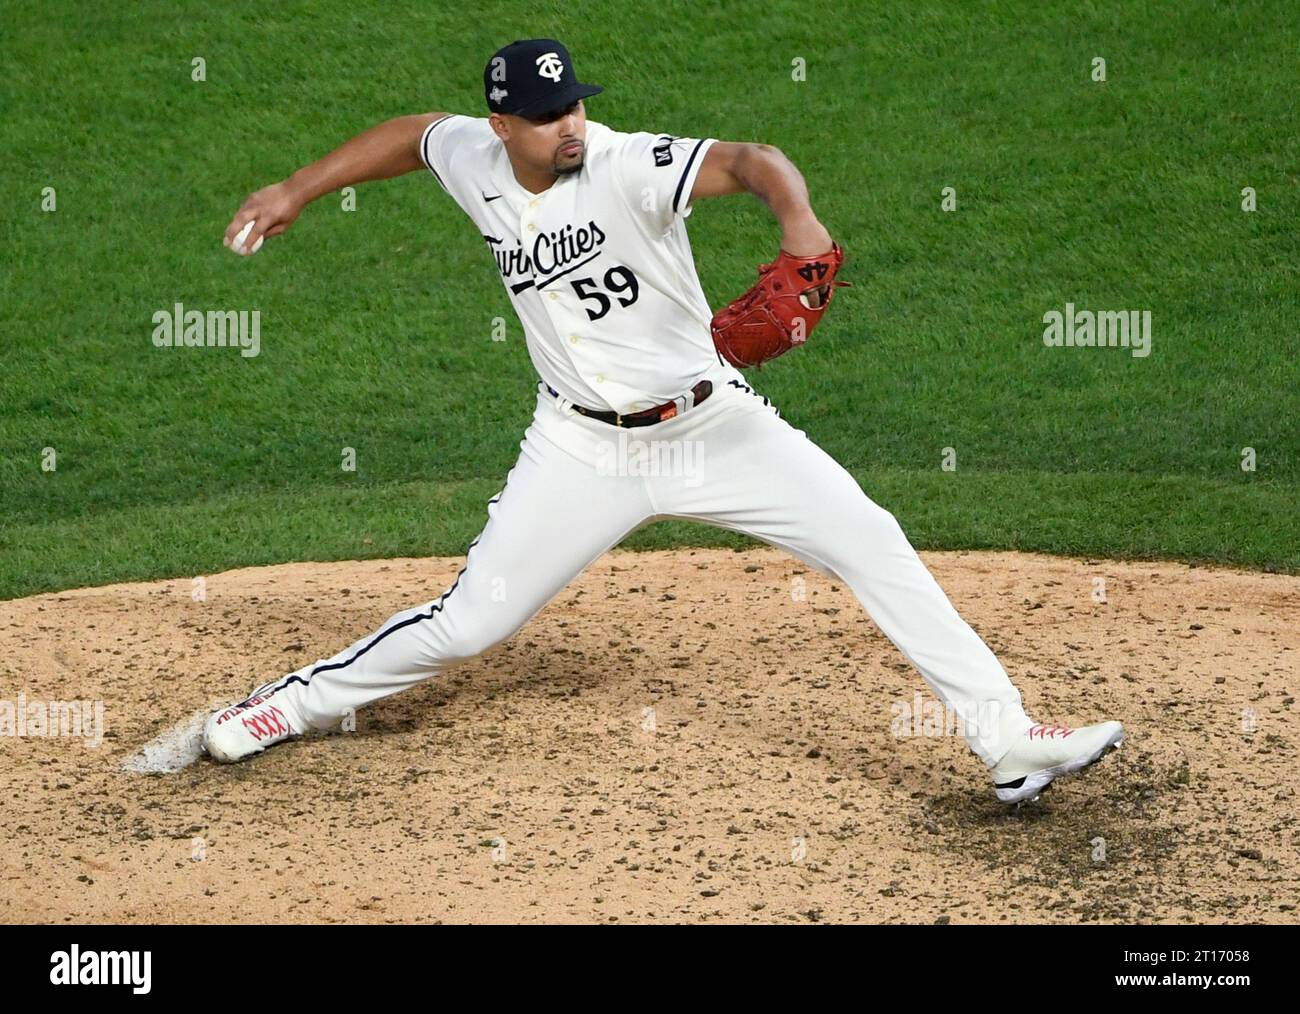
(580, 486)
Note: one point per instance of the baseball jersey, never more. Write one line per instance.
(598, 267)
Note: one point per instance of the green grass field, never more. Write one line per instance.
(376, 323)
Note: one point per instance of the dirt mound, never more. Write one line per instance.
(679, 736)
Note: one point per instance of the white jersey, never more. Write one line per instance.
(599, 266)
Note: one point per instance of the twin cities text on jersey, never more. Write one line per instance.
(551, 255)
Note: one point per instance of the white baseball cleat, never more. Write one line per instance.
(268, 716)
(1046, 752)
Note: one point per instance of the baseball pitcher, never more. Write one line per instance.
(587, 228)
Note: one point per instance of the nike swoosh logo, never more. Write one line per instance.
(488, 199)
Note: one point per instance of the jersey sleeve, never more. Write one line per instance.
(657, 172)
(440, 139)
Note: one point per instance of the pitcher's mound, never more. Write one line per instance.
(679, 736)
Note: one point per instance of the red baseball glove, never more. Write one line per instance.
(780, 311)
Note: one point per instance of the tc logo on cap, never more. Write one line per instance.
(550, 65)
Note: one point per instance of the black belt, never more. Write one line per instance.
(649, 416)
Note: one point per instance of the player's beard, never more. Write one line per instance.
(568, 169)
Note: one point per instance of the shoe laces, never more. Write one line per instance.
(1049, 731)
(269, 721)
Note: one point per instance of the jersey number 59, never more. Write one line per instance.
(618, 280)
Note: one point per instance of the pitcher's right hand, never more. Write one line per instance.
(268, 212)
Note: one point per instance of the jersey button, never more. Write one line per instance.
(600, 378)
(532, 228)
(553, 295)
(573, 339)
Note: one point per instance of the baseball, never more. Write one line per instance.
(238, 245)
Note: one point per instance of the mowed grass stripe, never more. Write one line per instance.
(1124, 516)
